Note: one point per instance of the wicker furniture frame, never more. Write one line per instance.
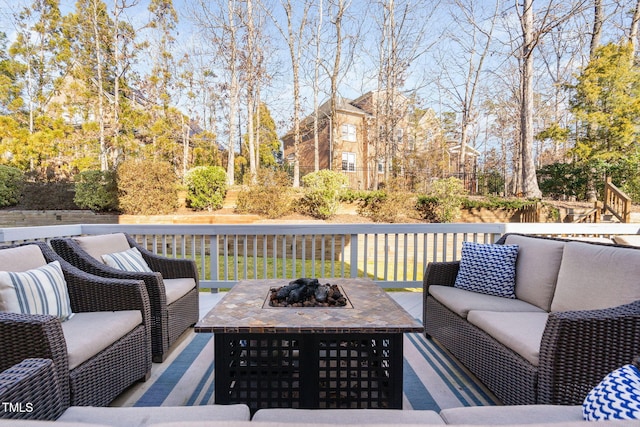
(578, 348)
(169, 321)
(100, 379)
(32, 387)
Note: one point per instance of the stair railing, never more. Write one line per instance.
(616, 202)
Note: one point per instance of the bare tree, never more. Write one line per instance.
(402, 27)
(120, 39)
(472, 33)
(532, 32)
(220, 26)
(294, 36)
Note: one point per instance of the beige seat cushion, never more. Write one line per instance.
(516, 414)
(521, 332)
(21, 258)
(87, 334)
(461, 301)
(629, 240)
(177, 288)
(593, 277)
(347, 416)
(102, 244)
(142, 416)
(537, 268)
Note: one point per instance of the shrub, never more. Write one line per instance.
(96, 190)
(11, 184)
(322, 193)
(382, 206)
(271, 196)
(147, 187)
(444, 200)
(206, 187)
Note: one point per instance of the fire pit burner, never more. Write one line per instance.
(305, 292)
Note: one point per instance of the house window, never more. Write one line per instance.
(380, 165)
(349, 162)
(349, 132)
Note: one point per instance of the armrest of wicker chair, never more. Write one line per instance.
(170, 268)
(30, 390)
(25, 336)
(580, 347)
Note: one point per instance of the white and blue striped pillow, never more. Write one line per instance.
(129, 260)
(42, 290)
(488, 269)
(617, 397)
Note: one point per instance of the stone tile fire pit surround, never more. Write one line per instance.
(244, 310)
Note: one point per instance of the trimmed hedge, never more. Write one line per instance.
(96, 190)
(11, 184)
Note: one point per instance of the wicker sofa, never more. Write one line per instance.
(172, 285)
(32, 388)
(576, 317)
(103, 349)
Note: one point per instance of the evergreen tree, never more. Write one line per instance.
(607, 104)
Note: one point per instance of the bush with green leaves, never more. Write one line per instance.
(271, 196)
(383, 206)
(444, 200)
(96, 190)
(11, 184)
(147, 187)
(206, 187)
(322, 191)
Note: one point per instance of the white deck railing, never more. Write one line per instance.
(394, 255)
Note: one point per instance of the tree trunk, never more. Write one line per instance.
(316, 89)
(633, 33)
(234, 91)
(598, 18)
(104, 164)
(530, 187)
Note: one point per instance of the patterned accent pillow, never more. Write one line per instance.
(488, 269)
(129, 260)
(42, 290)
(617, 397)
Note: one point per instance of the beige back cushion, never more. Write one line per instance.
(593, 277)
(536, 269)
(21, 258)
(96, 246)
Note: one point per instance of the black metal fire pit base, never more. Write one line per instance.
(353, 370)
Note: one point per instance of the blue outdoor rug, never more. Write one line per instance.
(432, 378)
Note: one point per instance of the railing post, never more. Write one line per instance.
(354, 256)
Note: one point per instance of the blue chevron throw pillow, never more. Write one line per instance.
(617, 397)
(488, 269)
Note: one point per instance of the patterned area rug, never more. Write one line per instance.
(432, 378)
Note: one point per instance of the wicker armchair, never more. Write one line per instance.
(170, 318)
(99, 378)
(32, 390)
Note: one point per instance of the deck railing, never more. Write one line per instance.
(394, 255)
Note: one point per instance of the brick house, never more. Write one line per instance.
(351, 148)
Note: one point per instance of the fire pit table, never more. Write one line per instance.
(308, 357)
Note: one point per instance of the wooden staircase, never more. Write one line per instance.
(615, 208)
